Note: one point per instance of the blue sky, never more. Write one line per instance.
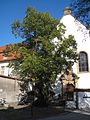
(11, 10)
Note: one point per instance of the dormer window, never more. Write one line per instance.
(83, 62)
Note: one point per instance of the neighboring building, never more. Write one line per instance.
(5, 62)
(9, 88)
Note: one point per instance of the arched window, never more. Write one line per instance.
(83, 62)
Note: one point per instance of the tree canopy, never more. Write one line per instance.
(81, 10)
(39, 57)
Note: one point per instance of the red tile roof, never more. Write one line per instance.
(11, 56)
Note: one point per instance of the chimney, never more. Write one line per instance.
(67, 11)
(89, 29)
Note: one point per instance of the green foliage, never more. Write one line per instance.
(81, 10)
(39, 58)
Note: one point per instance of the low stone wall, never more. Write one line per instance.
(83, 101)
(9, 89)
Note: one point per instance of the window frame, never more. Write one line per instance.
(83, 62)
(2, 70)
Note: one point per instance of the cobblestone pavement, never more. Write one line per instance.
(71, 115)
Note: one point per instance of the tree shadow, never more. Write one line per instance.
(28, 113)
(12, 113)
(24, 113)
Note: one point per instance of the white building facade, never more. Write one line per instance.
(82, 67)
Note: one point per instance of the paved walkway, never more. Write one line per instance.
(48, 113)
(71, 115)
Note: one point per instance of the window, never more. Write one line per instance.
(83, 62)
(2, 70)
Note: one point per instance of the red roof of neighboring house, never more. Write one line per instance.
(11, 56)
(2, 48)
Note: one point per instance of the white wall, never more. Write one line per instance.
(9, 89)
(82, 37)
